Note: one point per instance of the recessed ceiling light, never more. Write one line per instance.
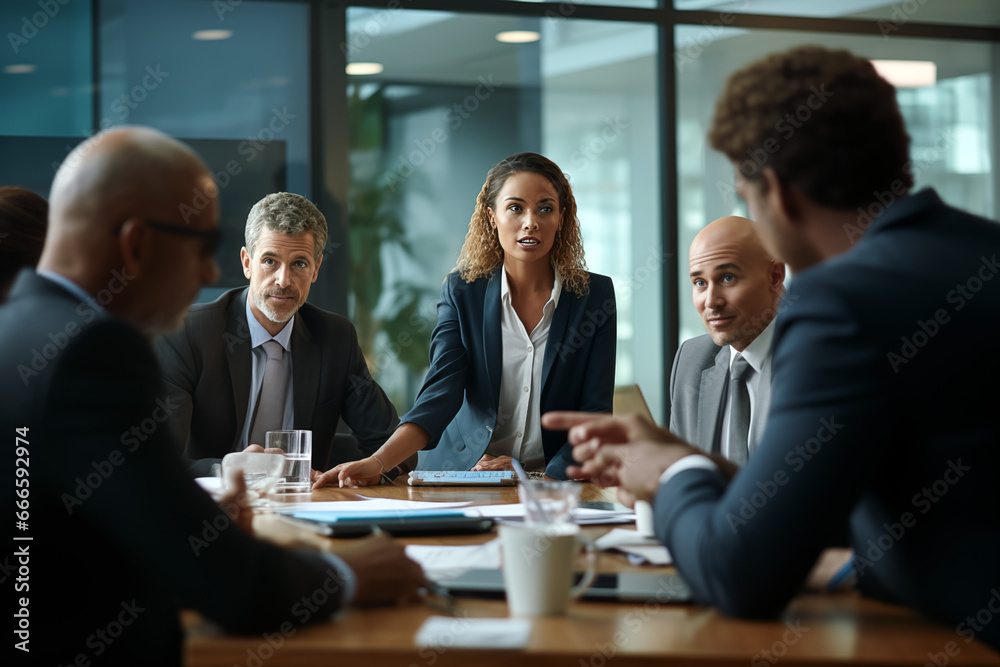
(19, 69)
(518, 36)
(907, 73)
(362, 69)
(212, 35)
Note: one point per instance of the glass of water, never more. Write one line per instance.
(296, 484)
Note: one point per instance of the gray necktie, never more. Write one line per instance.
(739, 411)
(271, 402)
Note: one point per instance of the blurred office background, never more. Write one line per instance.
(389, 114)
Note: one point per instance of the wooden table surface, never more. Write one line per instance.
(814, 630)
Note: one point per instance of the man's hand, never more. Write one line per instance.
(493, 463)
(383, 571)
(234, 502)
(627, 452)
(366, 472)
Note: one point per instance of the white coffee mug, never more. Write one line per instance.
(538, 568)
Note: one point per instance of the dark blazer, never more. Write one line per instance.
(460, 398)
(207, 367)
(885, 417)
(122, 535)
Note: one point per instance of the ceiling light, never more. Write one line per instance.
(19, 69)
(212, 35)
(907, 73)
(362, 69)
(518, 36)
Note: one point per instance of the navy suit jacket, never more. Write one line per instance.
(459, 402)
(121, 532)
(885, 417)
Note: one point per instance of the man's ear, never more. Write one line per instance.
(782, 199)
(245, 260)
(130, 240)
(777, 275)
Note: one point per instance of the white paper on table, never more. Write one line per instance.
(445, 562)
(211, 485)
(632, 543)
(367, 505)
(484, 633)
(581, 515)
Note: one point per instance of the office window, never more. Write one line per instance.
(890, 15)
(45, 69)
(446, 102)
(949, 120)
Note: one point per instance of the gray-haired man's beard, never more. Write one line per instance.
(261, 301)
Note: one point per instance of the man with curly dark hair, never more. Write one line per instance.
(876, 423)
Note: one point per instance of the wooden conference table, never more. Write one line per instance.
(814, 630)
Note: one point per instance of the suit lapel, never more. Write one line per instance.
(306, 359)
(493, 334)
(711, 400)
(557, 330)
(238, 356)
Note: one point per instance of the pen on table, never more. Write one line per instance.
(438, 597)
(842, 576)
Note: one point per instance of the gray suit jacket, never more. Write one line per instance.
(207, 367)
(698, 392)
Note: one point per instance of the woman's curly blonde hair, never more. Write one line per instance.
(482, 254)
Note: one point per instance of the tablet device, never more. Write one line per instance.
(607, 587)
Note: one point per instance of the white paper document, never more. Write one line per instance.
(480, 633)
(640, 549)
(582, 515)
(367, 505)
(445, 562)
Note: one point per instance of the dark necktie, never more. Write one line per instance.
(271, 401)
(739, 411)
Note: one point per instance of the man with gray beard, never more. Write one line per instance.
(215, 367)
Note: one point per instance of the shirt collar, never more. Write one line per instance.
(756, 352)
(259, 335)
(70, 287)
(549, 306)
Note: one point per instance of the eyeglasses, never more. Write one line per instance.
(210, 238)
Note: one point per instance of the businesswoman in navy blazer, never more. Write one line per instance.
(523, 328)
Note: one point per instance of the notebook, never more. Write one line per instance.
(621, 586)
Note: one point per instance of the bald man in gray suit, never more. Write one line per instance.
(736, 289)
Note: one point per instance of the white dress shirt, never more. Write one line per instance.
(518, 432)
(758, 355)
(259, 336)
